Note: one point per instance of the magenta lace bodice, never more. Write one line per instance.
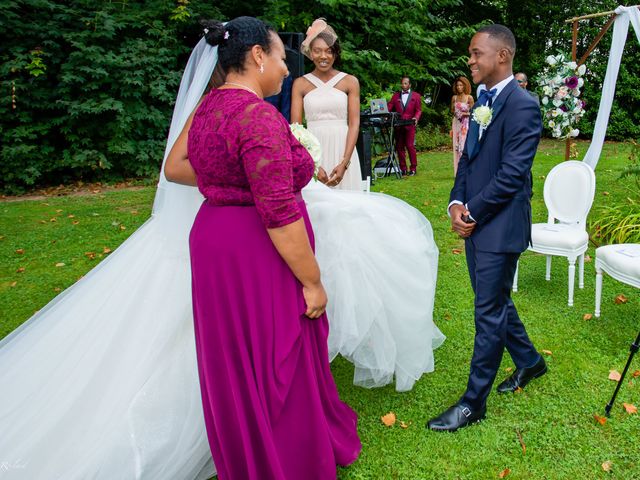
(244, 153)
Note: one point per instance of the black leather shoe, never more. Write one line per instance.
(412, 173)
(522, 376)
(455, 417)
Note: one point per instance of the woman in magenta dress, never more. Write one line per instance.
(271, 406)
(461, 104)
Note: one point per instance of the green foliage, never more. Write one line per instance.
(432, 138)
(94, 85)
(618, 223)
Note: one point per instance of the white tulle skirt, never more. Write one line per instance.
(102, 383)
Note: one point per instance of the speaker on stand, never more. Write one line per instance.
(363, 146)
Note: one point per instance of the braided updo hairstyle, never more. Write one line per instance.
(236, 38)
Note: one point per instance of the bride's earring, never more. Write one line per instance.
(262, 68)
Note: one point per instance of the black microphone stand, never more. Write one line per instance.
(634, 348)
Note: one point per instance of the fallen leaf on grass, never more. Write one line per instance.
(521, 440)
(20, 270)
(630, 408)
(389, 419)
(605, 193)
(621, 299)
(54, 219)
(518, 390)
(122, 227)
(58, 210)
(447, 316)
(504, 473)
(70, 216)
(587, 316)
(614, 375)
(508, 369)
(134, 212)
(57, 289)
(547, 352)
(599, 419)
(636, 374)
(606, 466)
(59, 264)
(405, 425)
(20, 251)
(90, 255)
(456, 251)
(13, 284)
(587, 258)
(106, 250)
(75, 222)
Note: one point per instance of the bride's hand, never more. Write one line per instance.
(322, 175)
(316, 300)
(337, 174)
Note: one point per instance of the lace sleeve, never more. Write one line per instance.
(266, 155)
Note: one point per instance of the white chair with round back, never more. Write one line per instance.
(568, 195)
(622, 262)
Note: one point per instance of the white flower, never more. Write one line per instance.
(572, 65)
(580, 82)
(575, 132)
(582, 69)
(309, 141)
(545, 100)
(547, 91)
(483, 115)
(551, 124)
(551, 60)
(557, 102)
(555, 112)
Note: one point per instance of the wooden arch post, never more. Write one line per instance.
(594, 44)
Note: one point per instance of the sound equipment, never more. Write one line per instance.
(363, 146)
(384, 124)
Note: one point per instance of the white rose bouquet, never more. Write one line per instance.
(309, 141)
(560, 87)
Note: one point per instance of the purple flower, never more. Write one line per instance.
(571, 82)
(563, 108)
(583, 103)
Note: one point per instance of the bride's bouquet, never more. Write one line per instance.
(309, 141)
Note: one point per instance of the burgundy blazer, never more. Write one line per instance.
(413, 109)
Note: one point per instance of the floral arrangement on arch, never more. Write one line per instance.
(561, 105)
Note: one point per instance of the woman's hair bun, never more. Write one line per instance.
(213, 31)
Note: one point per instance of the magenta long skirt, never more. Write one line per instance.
(271, 406)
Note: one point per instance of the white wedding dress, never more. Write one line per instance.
(102, 383)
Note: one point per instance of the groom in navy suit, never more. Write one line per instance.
(490, 208)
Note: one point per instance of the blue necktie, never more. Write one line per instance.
(487, 96)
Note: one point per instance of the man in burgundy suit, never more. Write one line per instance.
(409, 105)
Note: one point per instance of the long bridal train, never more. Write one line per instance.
(102, 383)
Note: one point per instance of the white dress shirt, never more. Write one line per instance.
(404, 97)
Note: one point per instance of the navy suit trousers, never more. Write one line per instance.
(496, 320)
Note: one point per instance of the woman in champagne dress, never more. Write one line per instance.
(331, 103)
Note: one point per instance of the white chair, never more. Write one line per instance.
(620, 261)
(568, 195)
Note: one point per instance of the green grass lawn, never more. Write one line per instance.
(546, 432)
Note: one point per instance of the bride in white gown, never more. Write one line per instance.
(102, 383)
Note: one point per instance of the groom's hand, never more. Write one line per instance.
(458, 223)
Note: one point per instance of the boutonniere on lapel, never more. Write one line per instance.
(483, 115)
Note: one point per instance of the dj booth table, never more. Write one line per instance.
(382, 124)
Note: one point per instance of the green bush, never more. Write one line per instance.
(92, 85)
(432, 138)
(618, 223)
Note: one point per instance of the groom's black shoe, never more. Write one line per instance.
(456, 417)
(522, 376)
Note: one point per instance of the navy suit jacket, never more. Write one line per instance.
(494, 173)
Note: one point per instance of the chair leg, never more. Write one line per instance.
(515, 278)
(598, 290)
(548, 274)
(572, 279)
(581, 271)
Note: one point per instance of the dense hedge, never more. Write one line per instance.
(89, 86)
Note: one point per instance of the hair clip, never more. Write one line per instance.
(226, 35)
